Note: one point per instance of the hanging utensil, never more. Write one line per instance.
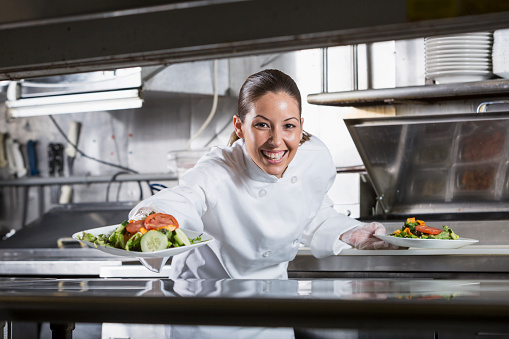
(55, 167)
(3, 159)
(15, 158)
(32, 158)
(70, 150)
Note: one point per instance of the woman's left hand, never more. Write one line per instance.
(362, 237)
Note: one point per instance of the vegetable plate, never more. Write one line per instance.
(108, 231)
(427, 243)
(415, 233)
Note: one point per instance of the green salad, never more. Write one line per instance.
(155, 233)
(418, 229)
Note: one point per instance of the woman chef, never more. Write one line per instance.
(262, 195)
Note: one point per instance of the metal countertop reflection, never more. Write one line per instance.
(334, 303)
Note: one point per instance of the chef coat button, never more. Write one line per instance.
(294, 180)
(266, 254)
(262, 193)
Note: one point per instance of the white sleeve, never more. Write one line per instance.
(322, 233)
(186, 204)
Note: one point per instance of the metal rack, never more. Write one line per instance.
(86, 179)
(488, 88)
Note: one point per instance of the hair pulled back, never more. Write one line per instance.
(261, 83)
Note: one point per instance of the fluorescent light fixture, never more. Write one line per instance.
(74, 103)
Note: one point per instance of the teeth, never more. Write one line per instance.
(273, 156)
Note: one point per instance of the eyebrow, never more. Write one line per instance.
(261, 116)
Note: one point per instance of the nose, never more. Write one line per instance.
(276, 138)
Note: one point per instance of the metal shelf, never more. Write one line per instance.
(371, 97)
(86, 179)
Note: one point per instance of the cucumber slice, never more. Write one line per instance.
(153, 241)
(181, 238)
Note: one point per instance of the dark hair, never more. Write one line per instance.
(261, 83)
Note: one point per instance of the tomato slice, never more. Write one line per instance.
(127, 236)
(134, 226)
(427, 229)
(159, 220)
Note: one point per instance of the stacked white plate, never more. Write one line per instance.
(459, 58)
(500, 54)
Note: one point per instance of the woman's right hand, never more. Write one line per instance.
(363, 237)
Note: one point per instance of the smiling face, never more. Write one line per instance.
(272, 131)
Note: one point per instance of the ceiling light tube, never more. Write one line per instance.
(75, 103)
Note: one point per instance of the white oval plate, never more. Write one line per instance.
(437, 69)
(459, 72)
(426, 243)
(465, 42)
(459, 40)
(474, 34)
(448, 60)
(473, 66)
(458, 50)
(433, 46)
(453, 62)
(134, 254)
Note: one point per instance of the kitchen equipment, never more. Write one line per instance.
(185, 160)
(55, 167)
(55, 159)
(32, 158)
(459, 58)
(63, 221)
(500, 55)
(15, 158)
(70, 150)
(3, 158)
(437, 164)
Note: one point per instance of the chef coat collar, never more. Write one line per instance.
(255, 172)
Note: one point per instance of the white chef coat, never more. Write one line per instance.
(258, 221)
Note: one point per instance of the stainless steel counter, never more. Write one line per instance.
(368, 304)
(469, 262)
(57, 262)
(488, 259)
(481, 261)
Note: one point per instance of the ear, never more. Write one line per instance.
(237, 124)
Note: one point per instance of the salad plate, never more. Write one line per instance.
(206, 239)
(427, 243)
